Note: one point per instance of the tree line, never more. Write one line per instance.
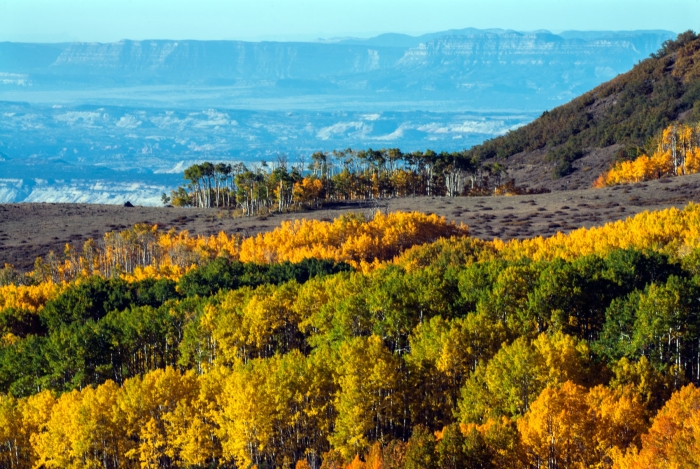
(339, 176)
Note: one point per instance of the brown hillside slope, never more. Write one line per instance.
(568, 147)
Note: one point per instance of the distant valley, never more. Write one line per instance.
(106, 122)
(54, 146)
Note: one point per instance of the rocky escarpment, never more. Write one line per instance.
(222, 59)
(533, 48)
(372, 61)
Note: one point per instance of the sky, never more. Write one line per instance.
(308, 20)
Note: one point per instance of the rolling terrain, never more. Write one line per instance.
(397, 339)
(32, 230)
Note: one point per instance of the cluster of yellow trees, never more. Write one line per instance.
(575, 427)
(278, 411)
(364, 244)
(672, 231)
(145, 252)
(28, 297)
(677, 154)
(221, 416)
(349, 239)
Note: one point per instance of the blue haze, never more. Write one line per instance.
(102, 122)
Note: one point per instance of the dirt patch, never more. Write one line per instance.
(31, 230)
(532, 168)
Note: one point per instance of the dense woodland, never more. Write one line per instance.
(397, 341)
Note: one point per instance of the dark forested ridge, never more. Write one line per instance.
(626, 112)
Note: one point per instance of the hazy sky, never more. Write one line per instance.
(111, 20)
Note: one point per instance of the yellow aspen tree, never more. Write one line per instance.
(191, 427)
(673, 441)
(369, 398)
(558, 430)
(54, 445)
(35, 413)
(247, 416)
(82, 431)
(143, 405)
(620, 421)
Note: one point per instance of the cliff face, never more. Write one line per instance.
(222, 59)
(515, 49)
(454, 52)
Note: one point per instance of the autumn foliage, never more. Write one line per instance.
(145, 252)
(392, 342)
(349, 239)
(677, 154)
(387, 342)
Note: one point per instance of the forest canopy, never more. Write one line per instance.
(429, 349)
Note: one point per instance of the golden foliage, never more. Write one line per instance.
(569, 426)
(672, 231)
(28, 297)
(673, 440)
(251, 400)
(417, 239)
(349, 239)
(678, 154)
(144, 252)
(558, 431)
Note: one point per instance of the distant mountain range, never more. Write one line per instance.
(91, 115)
(522, 70)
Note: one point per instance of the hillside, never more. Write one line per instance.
(574, 142)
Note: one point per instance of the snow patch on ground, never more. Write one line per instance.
(80, 191)
(343, 128)
(467, 127)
